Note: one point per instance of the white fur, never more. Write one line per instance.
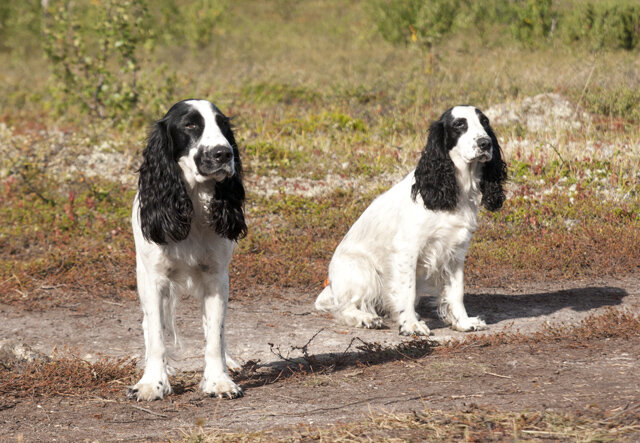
(398, 250)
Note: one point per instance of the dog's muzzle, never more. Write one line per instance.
(484, 145)
(215, 160)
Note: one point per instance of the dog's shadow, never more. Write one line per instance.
(494, 308)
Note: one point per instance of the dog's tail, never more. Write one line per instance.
(326, 301)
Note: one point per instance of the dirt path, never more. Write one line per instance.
(557, 376)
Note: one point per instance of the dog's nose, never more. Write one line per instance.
(210, 160)
(484, 144)
(221, 154)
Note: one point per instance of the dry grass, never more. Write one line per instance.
(472, 424)
(613, 323)
(67, 375)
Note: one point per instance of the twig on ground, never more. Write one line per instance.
(497, 375)
(149, 411)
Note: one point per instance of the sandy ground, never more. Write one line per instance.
(265, 327)
(288, 319)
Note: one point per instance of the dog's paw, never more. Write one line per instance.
(149, 391)
(469, 324)
(369, 321)
(418, 327)
(222, 387)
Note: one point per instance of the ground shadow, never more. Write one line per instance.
(358, 352)
(494, 308)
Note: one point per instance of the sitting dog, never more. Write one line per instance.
(187, 215)
(413, 238)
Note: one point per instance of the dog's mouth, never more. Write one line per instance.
(217, 173)
(484, 156)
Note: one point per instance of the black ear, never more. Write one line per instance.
(226, 208)
(435, 178)
(165, 206)
(494, 174)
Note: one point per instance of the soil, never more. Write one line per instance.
(268, 330)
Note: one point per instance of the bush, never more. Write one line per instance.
(426, 23)
(604, 24)
(191, 23)
(95, 55)
(20, 25)
(613, 24)
(415, 21)
(533, 21)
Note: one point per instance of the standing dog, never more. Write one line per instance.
(187, 215)
(413, 238)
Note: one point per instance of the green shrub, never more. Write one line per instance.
(20, 25)
(95, 53)
(427, 22)
(187, 22)
(532, 21)
(415, 21)
(604, 24)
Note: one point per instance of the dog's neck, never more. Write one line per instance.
(468, 177)
(201, 195)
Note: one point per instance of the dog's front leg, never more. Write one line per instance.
(452, 307)
(402, 292)
(216, 381)
(154, 384)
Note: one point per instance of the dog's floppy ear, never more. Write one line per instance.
(435, 178)
(165, 206)
(226, 208)
(494, 174)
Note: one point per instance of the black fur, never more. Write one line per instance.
(165, 207)
(494, 174)
(435, 178)
(226, 208)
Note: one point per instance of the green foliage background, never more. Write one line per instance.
(109, 60)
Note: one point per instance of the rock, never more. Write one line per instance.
(13, 352)
(543, 112)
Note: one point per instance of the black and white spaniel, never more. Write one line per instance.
(413, 239)
(187, 215)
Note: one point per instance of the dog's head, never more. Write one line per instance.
(192, 145)
(461, 138)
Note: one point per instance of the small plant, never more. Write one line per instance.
(95, 52)
(200, 19)
(534, 21)
(415, 21)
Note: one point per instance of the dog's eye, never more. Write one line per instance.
(460, 124)
(191, 126)
(484, 121)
